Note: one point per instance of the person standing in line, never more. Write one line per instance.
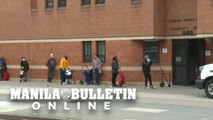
(51, 64)
(3, 66)
(4, 63)
(146, 67)
(115, 70)
(64, 64)
(25, 67)
(1, 69)
(97, 68)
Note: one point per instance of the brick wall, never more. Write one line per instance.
(160, 17)
(205, 16)
(181, 16)
(114, 18)
(129, 52)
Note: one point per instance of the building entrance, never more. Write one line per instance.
(188, 55)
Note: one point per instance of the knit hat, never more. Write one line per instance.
(66, 56)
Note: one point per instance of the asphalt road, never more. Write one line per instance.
(175, 103)
(146, 109)
(12, 117)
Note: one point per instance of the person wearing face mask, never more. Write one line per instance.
(97, 68)
(146, 67)
(51, 64)
(25, 67)
(64, 64)
(115, 70)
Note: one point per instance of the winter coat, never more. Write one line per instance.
(115, 67)
(146, 66)
(51, 63)
(24, 65)
(97, 63)
(64, 64)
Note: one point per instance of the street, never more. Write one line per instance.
(174, 103)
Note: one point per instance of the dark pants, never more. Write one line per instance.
(147, 78)
(51, 72)
(97, 76)
(1, 73)
(114, 75)
(63, 77)
(25, 76)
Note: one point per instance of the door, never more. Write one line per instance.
(188, 55)
(180, 61)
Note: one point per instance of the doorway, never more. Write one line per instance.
(188, 55)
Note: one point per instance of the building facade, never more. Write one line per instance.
(176, 34)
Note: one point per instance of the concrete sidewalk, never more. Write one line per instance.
(173, 90)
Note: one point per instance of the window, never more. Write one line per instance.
(87, 51)
(62, 3)
(100, 1)
(152, 49)
(101, 51)
(136, 1)
(86, 2)
(34, 5)
(49, 3)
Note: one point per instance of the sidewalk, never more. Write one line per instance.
(173, 90)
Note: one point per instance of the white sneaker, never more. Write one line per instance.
(153, 87)
(147, 88)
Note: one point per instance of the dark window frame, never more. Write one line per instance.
(100, 1)
(136, 1)
(102, 57)
(34, 4)
(48, 4)
(151, 52)
(87, 58)
(85, 2)
(61, 4)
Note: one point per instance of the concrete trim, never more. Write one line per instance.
(106, 68)
(3, 41)
(107, 38)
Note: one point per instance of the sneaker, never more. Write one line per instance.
(153, 87)
(147, 88)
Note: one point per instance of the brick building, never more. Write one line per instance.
(177, 34)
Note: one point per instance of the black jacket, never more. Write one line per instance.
(3, 64)
(115, 67)
(24, 65)
(51, 63)
(146, 66)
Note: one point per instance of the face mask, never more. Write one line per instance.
(148, 59)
